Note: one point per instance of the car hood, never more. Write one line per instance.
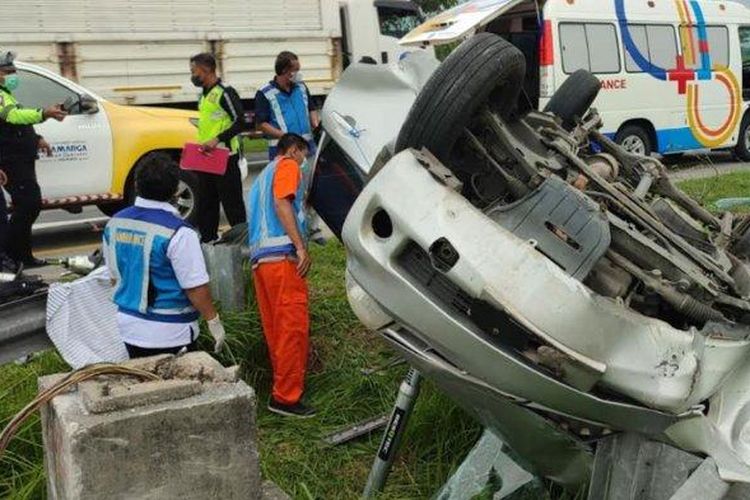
(366, 109)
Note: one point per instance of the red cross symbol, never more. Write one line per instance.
(681, 75)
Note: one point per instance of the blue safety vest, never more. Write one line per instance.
(289, 113)
(266, 235)
(137, 241)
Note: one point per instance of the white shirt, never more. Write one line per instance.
(184, 252)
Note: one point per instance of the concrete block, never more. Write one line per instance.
(147, 444)
(704, 483)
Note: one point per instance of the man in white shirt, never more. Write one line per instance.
(155, 260)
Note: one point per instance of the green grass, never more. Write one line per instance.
(254, 145)
(710, 189)
(292, 453)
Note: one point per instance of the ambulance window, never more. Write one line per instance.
(592, 47)
(718, 45)
(603, 54)
(662, 45)
(638, 33)
(37, 91)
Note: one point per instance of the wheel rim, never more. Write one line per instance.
(747, 138)
(634, 144)
(184, 202)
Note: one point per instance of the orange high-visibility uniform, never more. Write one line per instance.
(283, 300)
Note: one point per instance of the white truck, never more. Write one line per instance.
(136, 52)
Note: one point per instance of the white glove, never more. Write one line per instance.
(217, 332)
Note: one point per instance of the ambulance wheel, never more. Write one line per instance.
(635, 139)
(574, 98)
(484, 71)
(742, 149)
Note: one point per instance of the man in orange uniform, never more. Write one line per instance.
(278, 251)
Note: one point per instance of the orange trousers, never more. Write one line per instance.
(283, 302)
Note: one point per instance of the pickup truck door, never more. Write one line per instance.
(81, 163)
(459, 22)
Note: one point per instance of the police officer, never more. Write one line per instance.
(221, 120)
(284, 105)
(19, 147)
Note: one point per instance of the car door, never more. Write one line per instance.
(81, 163)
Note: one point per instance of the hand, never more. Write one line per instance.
(3, 178)
(217, 332)
(45, 147)
(211, 144)
(304, 262)
(55, 112)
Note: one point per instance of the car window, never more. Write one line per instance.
(397, 22)
(656, 42)
(592, 47)
(718, 46)
(37, 91)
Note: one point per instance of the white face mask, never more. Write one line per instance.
(297, 77)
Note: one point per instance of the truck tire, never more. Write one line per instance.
(483, 70)
(574, 98)
(635, 139)
(742, 149)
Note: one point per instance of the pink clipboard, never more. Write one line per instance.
(196, 157)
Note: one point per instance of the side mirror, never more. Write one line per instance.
(89, 106)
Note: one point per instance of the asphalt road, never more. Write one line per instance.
(59, 234)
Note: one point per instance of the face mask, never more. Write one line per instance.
(196, 80)
(11, 82)
(297, 77)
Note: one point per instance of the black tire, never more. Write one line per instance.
(742, 149)
(630, 133)
(483, 70)
(574, 98)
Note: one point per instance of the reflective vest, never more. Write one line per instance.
(137, 240)
(266, 235)
(213, 119)
(289, 113)
(17, 136)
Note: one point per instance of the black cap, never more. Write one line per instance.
(6, 60)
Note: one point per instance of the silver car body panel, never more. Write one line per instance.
(665, 371)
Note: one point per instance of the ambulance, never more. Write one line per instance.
(675, 74)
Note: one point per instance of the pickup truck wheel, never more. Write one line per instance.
(186, 201)
(574, 97)
(485, 70)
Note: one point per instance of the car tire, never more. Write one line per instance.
(635, 139)
(742, 149)
(574, 98)
(483, 70)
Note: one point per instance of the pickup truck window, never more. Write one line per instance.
(37, 91)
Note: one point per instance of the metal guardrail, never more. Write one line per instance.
(23, 327)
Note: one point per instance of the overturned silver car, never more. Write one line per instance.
(556, 286)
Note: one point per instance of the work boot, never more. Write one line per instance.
(298, 410)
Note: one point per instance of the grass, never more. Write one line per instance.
(292, 453)
(711, 189)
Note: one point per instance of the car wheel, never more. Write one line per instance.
(574, 98)
(186, 201)
(485, 70)
(742, 149)
(635, 139)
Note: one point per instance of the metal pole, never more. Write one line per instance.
(407, 396)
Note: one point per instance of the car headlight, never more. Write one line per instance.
(194, 121)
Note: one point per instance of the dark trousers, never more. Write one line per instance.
(27, 202)
(214, 189)
(143, 352)
(3, 223)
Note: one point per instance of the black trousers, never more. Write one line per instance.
(214, 189)
(143, 352)
(27, 203)
(3, 223)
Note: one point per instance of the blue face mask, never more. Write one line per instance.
(11, 82)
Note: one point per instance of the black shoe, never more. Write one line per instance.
(298, 409)
(32, 262)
